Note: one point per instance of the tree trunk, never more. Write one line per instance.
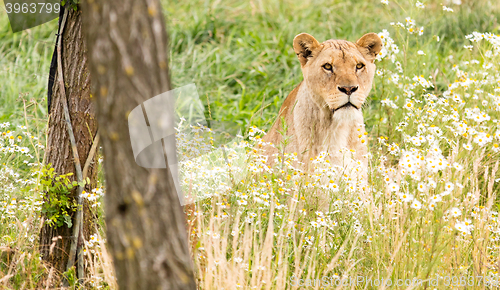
(146, 232)
(77, 82)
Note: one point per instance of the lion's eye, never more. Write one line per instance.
(328, 66)
(360, 66)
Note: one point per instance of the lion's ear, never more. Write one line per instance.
(369, 45)
(305, 46)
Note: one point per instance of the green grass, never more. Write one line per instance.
(239, 55)
(24, 67)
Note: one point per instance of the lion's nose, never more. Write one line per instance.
(348, 90)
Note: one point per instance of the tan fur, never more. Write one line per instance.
(313, 125)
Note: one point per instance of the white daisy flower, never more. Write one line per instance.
(416, 204)
(455, 212)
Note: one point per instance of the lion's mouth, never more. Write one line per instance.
(346, 105)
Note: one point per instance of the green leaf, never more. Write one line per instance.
(67, 220)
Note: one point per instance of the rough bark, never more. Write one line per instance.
(58, 153)
(146, 232)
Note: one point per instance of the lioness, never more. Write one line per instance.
(323, 113)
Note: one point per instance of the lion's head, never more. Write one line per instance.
(338, 72)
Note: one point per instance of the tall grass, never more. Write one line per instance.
(429, 208)
(428, 216)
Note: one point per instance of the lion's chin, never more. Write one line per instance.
(347, 115)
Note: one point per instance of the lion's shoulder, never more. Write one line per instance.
(285, 112)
